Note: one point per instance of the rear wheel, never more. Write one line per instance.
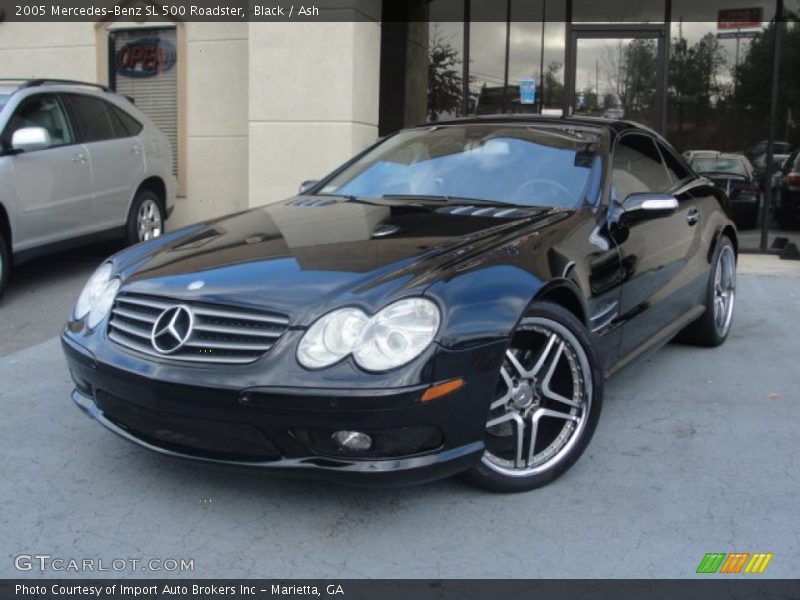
(146, 218)
(712, 328)
(546, 405)
(5, 264)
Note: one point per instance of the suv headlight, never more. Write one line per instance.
(97, 296)
(393, 337)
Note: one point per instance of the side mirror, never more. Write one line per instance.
(28, 139)
(307, 185)
(647, 205)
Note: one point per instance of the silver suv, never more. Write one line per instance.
(78, 162)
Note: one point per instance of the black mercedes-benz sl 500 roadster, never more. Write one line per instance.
(451, 300)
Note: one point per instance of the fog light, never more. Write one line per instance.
(352, 440)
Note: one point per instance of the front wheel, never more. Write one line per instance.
(146, 218)
(546, 405)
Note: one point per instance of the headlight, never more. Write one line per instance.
(397, 334)
(331, 338)
(93, 289)
(103, 303)
(393, 337)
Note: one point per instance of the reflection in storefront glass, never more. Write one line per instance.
(616, 79)
(720, 81)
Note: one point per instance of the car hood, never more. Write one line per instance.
(310, 251)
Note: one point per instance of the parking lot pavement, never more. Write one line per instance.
(695, 453)
(751, 238)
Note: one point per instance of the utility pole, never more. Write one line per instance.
(773, 117)
(508, 50)
(541, 59)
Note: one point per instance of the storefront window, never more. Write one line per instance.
(617, 78)
(536, 53)
(445, 89)
(720, 98)
(143, 66)
(487, 57)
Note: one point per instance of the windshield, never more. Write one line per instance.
(524, 165)
(3, 98)
(712, 164)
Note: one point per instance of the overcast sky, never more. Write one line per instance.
(487, 53)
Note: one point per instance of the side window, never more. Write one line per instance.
(638, 167)
(43, 110)
(124, 122)
(676, 169)
(93, 118)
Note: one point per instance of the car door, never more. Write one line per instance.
(52, 185)
(116, 158)
(656, 254)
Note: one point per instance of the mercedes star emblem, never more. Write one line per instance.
(172, 329)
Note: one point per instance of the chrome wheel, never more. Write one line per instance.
(724, 290)
(148, 221)
(543, 400)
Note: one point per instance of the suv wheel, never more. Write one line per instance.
(5, 264)
(146, 218)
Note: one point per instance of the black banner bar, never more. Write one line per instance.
(650, 11)
(399, 589)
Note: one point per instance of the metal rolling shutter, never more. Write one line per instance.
(156, 94)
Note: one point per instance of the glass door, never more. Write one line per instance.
(617, 73)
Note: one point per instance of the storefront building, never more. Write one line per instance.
(254, 108)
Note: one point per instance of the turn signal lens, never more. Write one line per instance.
(442, 389)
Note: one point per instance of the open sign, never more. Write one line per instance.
(145, 57)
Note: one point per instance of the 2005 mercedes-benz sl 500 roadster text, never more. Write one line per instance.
(451, 300)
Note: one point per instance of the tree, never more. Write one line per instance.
(694, 76)
(631, 74)
(755, 77)
(444, 78)
(552, 91)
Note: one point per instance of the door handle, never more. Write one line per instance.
(79, 157)
(693, 217)
(135, 149)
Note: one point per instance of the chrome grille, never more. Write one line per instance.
(220, 334)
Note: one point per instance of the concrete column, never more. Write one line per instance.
(313, 101)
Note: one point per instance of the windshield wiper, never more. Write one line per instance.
(448, 199)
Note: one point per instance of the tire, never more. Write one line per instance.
(5, 264)
(145, 219)
(550, 383)
(713, 326)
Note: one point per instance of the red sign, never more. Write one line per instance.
(739, 18)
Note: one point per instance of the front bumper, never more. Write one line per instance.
(258, 427)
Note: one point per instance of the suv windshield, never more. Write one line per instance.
(535, 165)
(3, 98)
(719, 165)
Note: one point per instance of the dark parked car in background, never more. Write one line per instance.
(734, 174)
(757, 155)
(786, 191)
(451, 300)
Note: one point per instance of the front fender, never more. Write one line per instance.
(483, 306)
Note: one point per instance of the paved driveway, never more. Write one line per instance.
(696, 452)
